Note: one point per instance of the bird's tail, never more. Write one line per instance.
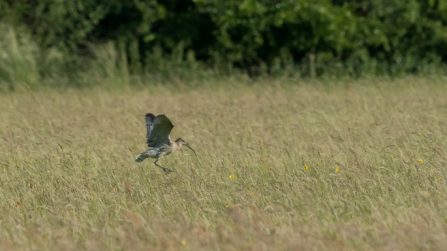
(140, 157)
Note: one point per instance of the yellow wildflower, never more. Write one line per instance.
(232, 176)
(31, 159)
(226, 205)
(116, 188)
(346, 195)
(305, 167)
(180, 170)
(439, 179)
(229, 199)
(183, 243)
(251, 194)
(420, 160)
(336, 169)
(439, 192)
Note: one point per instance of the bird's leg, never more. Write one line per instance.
(164, 168)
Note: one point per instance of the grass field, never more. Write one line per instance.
(282, 165)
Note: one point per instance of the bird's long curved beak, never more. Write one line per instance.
(190, 148)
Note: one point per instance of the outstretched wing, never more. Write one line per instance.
(149, 125)
(160, 127)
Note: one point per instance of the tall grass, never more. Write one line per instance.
(24, 65)
(18, 59)
(360, 166)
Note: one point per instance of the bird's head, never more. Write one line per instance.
(181, 142)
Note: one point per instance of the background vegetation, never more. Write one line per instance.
(360, 166)
(64, 39)
(305, 138)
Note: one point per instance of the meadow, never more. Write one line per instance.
(283, 164)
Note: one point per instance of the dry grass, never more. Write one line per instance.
(68, 179)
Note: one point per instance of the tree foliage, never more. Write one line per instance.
(245, 33)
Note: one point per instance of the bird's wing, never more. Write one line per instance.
(149, 125)
(161, 128)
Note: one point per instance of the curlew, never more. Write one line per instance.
(157, 137)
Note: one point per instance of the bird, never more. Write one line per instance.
(159, 139)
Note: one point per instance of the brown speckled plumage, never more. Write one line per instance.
(157, 137)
